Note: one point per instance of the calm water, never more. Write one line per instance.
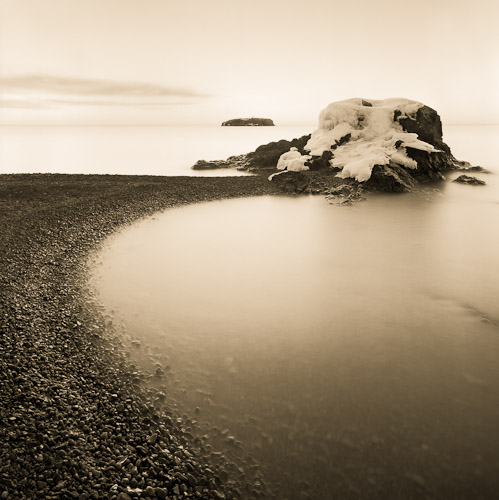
(130, 150)
(353, 351)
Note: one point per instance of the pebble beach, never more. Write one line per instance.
(76, 419)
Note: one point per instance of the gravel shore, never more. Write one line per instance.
(76, 421)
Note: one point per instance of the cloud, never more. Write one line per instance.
(7, 102)
(122, 102)
(33, 90)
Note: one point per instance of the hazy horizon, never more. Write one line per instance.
(124, 62)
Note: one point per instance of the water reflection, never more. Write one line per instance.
(353, 350)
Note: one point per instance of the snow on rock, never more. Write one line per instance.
(293, 160)
(361, 134)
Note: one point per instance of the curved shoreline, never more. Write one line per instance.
(76, 420)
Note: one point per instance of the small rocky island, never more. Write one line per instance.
(360, 145)
(249, 122)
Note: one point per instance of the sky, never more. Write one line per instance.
(206, 61)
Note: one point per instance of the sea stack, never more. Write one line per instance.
(386, 144)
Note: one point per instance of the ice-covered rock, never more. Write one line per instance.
(360, 134)
(293, 161)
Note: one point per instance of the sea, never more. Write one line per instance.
(333, 351)
(130, 150)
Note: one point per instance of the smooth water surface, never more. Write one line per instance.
(168, 150)
(353, 351)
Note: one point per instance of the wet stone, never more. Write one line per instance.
(123, 496)
(160, 493)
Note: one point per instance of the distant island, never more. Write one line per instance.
(249, 122)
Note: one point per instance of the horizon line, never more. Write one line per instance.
(294, 124)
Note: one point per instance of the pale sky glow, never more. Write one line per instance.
(205, 61)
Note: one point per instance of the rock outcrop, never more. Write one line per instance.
(237, 162)
(390, 178)
(464, 166)
(390, 145)
(248, 122)
(210, 165)
(261, 161)
(468, 179)
(265, 158)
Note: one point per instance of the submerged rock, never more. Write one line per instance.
(346, 194)
(468, 179)
(248, 122)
